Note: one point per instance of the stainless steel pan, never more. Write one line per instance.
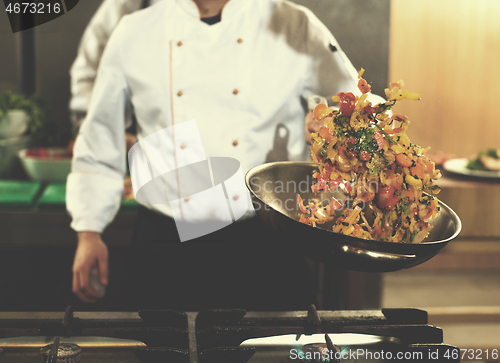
(274, 188)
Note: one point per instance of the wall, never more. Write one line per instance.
(10, 77)
(449, 52)
(56, 46)
(362, 29)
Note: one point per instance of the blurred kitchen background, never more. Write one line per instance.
(446, 50)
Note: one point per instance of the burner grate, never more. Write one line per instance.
(216, 336)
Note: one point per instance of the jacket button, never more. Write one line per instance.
(179, 93)
(179, 43)
(235, 142)
(236, 91)
(236, 197)
(187, 198)
(240, 40)
(183, 146)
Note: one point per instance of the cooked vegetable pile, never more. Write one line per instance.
(365, 151)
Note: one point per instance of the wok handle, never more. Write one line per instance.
(381, 256)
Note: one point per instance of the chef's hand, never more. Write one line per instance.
(312, 125)
(91, 252)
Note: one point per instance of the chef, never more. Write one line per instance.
(241, 76)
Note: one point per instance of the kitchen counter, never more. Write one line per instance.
(477, 203)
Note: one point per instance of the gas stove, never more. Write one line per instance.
(216, 336)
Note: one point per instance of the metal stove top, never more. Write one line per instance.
(217, 336)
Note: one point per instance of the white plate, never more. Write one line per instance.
(457, 166)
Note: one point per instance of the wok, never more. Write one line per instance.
(274, 188)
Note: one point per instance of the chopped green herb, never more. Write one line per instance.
(388, 137)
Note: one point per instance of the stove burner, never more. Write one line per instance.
(66, 353)
(322, 350)
(216, 336)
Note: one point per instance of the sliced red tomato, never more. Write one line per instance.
(321, 183)
(365, 155)
(322, 179)
(385, 197)
(378, 230)
(347, 103)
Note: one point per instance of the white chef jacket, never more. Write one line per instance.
(238, 79)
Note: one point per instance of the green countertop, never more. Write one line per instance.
(27, 194)
(18, 194)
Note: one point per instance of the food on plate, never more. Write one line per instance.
(487, 159)
(389, 183)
